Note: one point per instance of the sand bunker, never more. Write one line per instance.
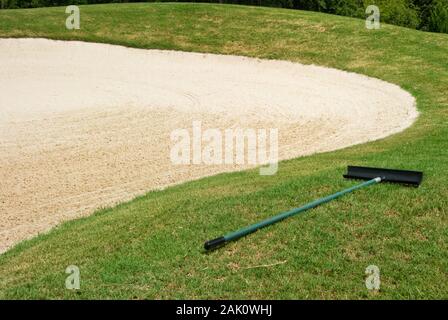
(86, 125)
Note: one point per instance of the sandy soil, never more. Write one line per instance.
(84, 125)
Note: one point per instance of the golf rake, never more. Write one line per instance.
(372, 175)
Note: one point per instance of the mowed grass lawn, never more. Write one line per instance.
(152, 247)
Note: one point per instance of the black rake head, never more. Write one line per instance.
(407, 177)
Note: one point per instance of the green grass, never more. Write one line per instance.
(152, 247)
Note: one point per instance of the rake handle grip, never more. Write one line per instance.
(215, 243)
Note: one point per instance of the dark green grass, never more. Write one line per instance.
(152, 246)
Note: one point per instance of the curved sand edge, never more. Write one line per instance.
(85, 125)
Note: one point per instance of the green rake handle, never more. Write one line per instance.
(213, 244)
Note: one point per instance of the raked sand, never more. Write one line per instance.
(85, 125)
